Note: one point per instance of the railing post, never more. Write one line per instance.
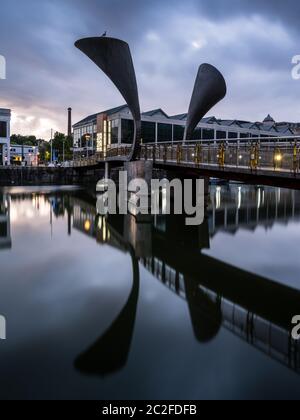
(295, 159)
(179, 154)
(165, 153)
(221, 156)
(198, 154)
(254, 157)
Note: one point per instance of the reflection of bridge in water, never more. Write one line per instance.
(254, 308)
(246, 207)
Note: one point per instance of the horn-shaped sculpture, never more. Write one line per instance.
(114, 58)
(210, 88)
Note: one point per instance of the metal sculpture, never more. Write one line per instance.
(114, 58)
(210, 88)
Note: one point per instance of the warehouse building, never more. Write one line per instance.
(114, 127)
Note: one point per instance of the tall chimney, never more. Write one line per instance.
(69, 122)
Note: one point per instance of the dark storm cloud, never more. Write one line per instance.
(287, 11)
(252, 42)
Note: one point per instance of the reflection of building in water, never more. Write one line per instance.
(242, 206)
(5, 236)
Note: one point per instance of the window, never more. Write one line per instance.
(208, 134)
(221, 135)
(3, 129)
(232, 135)
(3, 229)
(164, 132)
(127, 131)
(244, 135)
(197, 134)
(178, 132)
(148, 132)
(114, 131)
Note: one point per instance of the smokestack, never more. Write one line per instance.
(69, 122)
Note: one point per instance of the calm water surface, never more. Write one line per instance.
(117, 309)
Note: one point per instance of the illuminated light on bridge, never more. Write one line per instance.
(87, 225)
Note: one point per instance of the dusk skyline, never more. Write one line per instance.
(251, 43)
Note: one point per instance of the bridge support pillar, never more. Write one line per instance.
(106, 176)
(139, 169)
(206, 187)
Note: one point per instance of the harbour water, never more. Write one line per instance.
(117, 308)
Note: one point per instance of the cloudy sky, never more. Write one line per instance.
(251, 42)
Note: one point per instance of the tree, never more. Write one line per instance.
(22, 140)
(62, 146)
(45, 151)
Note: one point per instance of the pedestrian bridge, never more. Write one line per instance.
(272, 161)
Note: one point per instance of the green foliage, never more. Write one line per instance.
(62, 145)
(45, 151)
(28, 140)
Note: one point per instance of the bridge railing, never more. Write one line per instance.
(119, 151)
(277, 156)
(87, 161)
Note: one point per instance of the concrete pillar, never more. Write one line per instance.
(106, 170)
(139, 169)
(120, 132)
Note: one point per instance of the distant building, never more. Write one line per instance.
(282, 126)
(5, 115)
(115, 126)
(27, 154)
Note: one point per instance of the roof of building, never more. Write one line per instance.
(5, 112)
(93, 117)
(154, 112)
(179, 117)
(269, 119)
(268, 125)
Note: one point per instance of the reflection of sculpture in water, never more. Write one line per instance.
(206, 315)
(218, 295)
(110, 353)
